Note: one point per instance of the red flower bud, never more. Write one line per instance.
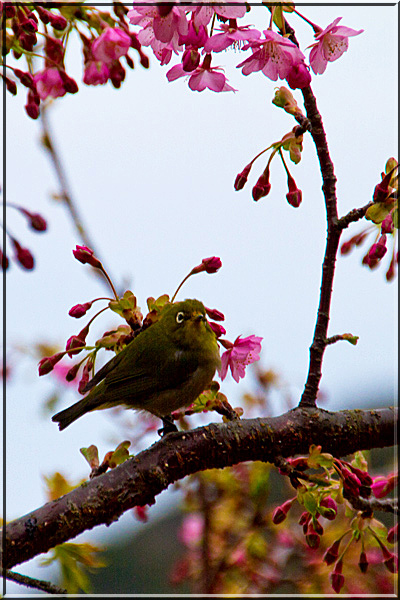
(210, 265)
(328, 508)
(280, 513)
(71, 374)
(79, 310)
(363, 562)
(337, 579)
(70, 84)
(387, 224)
(215, 314)
(11, 86)
(58, 22)
(74, 342)
(86, 256)
(190, 59)
(381, 191)
(332, 553)
(36, 221)
(217, 328)
(262, 187)
(23, 256)
(312, 537)
(241, 178)
(54, 49)
(46, 364)
(378, 250)
(294, 196)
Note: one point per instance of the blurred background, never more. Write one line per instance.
(151, 168)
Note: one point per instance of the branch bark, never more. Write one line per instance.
(141, 478)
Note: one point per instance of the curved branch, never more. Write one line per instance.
(141, 478)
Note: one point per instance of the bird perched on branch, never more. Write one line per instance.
(167, 366)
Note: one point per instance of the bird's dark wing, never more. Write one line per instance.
(151, 376)
(103, 372)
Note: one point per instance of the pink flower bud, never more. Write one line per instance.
(215, 314)
(54, 49)
(312, 537)
(262, 187)
(280, 512)
(378, 250)
(32, 109)
(11, 86)
(79, 310)
(86, 256)
(332, 553)
(294, 196)
(241, 178)
(47, 364)
(337, 579)
(58, 22)
(36, 221)
(217, 329)
(298, 76)
(381, 191)
(71, 374)
(363, 562)
(390, 273)
(190, 59)
(23, 256)
(74, 342)
(387, 224)
(210, 265)
(70, 84)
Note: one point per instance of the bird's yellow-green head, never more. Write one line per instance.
(186, 325)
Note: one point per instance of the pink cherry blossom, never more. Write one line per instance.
(111, 45)
(332, 43)
(231, 35)
(204, 13)
(165, 27)
(49, 83)
(275, 56)
(96, 73)
(241, 353)
(204, 76)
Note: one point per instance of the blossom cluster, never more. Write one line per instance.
(238, 355)
(41, 33)
(191, 31)
(383, 213)
(195, 32)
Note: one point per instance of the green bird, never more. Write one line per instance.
(167, 366)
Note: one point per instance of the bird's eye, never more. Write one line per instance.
(180, 317)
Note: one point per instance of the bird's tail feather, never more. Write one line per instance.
(69, 415)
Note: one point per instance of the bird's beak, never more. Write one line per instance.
(197, 317)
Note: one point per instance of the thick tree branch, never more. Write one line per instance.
(140, 479)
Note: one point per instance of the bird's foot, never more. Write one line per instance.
(169, 426)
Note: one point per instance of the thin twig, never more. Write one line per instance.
(354, 215)
(38, 584)
(65, 191)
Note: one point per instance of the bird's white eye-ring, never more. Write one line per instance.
(180, 317)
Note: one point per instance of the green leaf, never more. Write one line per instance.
(92, 455)
(310, 502)
(377, 212)
(120, 454)
(352, 339)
